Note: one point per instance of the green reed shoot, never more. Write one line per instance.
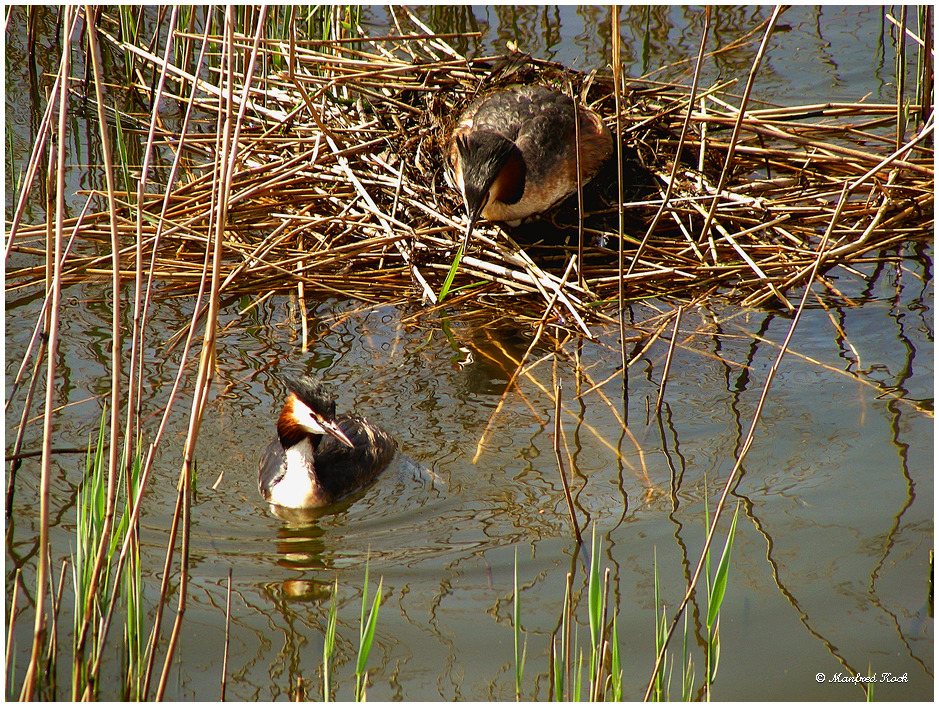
(616, 666)
(595, 612)
(123, 158)
(687, 673)
(451, 274)
(90, 504)
(134, 632)
(516, 621)
(91, 507)
(366, 636)
(367, 625)
(568, 678)
(659, 685)
(560, 661)
(579, 671)
(715, 596)
(128, 34)
(716, 589)
(329, 642)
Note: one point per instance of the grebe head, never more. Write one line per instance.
(309, 410)
(489, 167)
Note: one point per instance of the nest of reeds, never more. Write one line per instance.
(337, 183)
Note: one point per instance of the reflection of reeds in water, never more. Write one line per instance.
(322, 170)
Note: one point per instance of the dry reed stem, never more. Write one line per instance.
(42, 571)
(227, 637)
(558, 432)
(668, 360)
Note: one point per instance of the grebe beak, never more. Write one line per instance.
(474, 203)
(470, 225)
(315, 424)
(332, 429)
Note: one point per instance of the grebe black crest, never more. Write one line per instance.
(513, 153)
(318, 457)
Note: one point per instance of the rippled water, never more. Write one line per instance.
(830, 568)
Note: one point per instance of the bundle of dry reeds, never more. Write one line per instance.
(337, 182)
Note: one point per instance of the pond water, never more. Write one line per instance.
(830, 570)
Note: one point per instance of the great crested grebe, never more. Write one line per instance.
(513, 153)
(318, 457)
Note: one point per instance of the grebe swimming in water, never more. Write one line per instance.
(513, 153)
(317, 457)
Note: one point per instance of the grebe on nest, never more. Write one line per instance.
(317, 457)
(513, 153)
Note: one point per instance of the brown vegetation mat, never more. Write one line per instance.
(338, 184)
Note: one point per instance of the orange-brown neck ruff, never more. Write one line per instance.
(509, 184)
(289, 429)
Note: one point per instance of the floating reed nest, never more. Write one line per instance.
(337, 184)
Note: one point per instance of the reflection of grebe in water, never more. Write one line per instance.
(317, 457)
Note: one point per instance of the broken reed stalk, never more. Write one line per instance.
(521, 363)
(620, 225)
(557, 454)
(668, 360)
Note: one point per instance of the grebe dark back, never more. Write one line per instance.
(317, 457)
(513, 153)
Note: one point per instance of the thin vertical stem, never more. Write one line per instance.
(227, 635)
(557, 453)
(116, 339)
(617, 90)
(668, 360)
(741, 112)
(42, 573)
(580, 189)
(901, 76)
(676, 160)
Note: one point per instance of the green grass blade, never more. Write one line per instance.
(329, 642)
(450, 275)
(720, 578)
(594, 591)
(616, 666)
(367, 636)
(516, 614)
